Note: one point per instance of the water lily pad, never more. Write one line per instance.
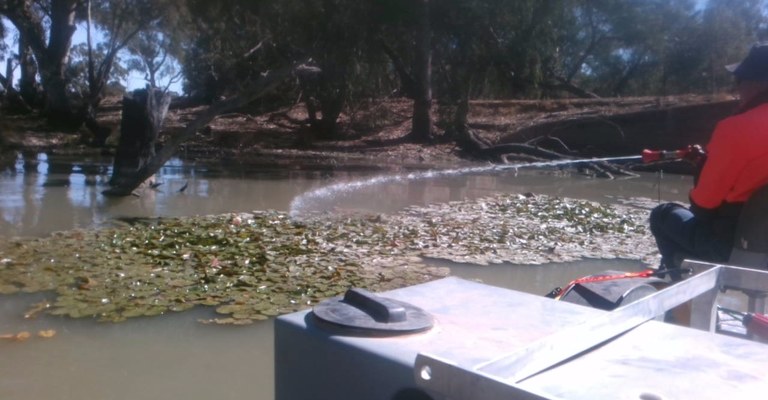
(268, 264)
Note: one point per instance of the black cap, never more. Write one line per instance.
(754, 67)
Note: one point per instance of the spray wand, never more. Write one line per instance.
(693, 153)
(756, 324)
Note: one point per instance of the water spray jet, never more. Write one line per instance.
(301, 203)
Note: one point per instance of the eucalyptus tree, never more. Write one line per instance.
(235, 39)
(527, 37)
(491, 49)
(30, 89)
(434, 47)
(231, 40)
(421, 127)
(683, 54)
(10, 98)
(47, 26)
(123, 24)
(730, 28)
(459, 49)
(628, 47)
(461, 46)
(158, 49)
(154, 56)
(582, 31)
(117, 22)
(337, 35)
(402, 32)
(77, 71)
(5, 80)
(236, 53)
(632, 61)
(664, 30)
(27, 94)
(6, 55)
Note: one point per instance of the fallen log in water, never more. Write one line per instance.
(507, 152)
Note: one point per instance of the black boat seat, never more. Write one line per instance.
(750, 247)
(750, 244)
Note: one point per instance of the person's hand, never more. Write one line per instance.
(695, 153)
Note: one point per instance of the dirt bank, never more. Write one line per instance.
(373, 131)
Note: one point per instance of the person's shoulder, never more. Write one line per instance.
(761, 110)
(757, 116)
(742, 130)
(755, 119)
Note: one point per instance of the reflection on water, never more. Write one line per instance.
(40, 194)
(174, 356)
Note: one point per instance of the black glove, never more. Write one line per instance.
(695, 154)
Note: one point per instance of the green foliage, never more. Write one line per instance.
(480, 48)
(154, 55)
(229, 42)
(150, 31)
(77, 71)
(731, 27)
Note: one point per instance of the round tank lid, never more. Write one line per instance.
(362, 312)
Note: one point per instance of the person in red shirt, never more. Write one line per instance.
(734, 165)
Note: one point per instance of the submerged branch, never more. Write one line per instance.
(479, 147)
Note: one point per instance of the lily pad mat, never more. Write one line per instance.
(258, 265)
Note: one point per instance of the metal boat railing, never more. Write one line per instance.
(501, 377)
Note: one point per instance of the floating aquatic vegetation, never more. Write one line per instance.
(529, 230)
(17, 337)
(26, 335)
(255, 266)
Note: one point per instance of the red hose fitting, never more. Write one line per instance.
(756, 324)
(649, 156)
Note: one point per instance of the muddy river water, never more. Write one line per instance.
(174, 356)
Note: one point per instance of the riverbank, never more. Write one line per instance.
(374, 133)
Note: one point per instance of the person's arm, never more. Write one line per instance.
(721, 169)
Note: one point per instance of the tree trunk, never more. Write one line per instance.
(309, 81)
(421, 128)
(251, 92)
(142, 118)
(323, 88)
(460, 118)
(28, 87)
(52, 55)
(11, 99)
(53, 69)
(97, 80)
(407, 82)
(331, 105)
(58, 109)
(460, 79)
(629, 73)
(100, 133)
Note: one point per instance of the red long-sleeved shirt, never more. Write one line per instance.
(737, 160)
